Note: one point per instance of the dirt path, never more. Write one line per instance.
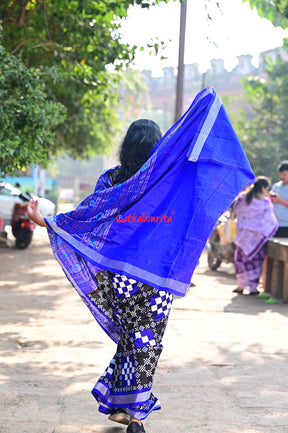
(223, 368)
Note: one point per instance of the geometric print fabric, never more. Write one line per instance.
(161, 305)
(123, 285)
(142, 314)
(128, 371)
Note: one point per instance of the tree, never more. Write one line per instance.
(274, 10)
(27, 117)
(81, 39)
(264, 134)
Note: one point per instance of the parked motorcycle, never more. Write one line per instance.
(220, 245)
(22, 226)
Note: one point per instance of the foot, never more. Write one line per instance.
(135, 427)
(238, 290)
(254, 293)
(119, 415)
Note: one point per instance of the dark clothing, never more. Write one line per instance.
(282, 232)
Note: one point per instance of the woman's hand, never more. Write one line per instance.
(35, 214)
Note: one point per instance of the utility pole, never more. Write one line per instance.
(180, 74)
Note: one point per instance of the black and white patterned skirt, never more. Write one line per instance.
(141, 313)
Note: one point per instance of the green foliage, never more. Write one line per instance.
(275, 11)
(265, 135)
(27, 117)
(78, 39)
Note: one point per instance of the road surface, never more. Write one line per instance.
(223, 369)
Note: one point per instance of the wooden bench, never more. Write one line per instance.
(275, 268)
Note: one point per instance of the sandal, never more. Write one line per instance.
(263, 295)
(119, 415)
(134, 427)
(271, 301)
(238, 290)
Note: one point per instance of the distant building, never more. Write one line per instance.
(161, 90)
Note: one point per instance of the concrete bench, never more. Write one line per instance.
(275, 268)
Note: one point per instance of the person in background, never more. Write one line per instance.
(255, 222)
(279, 198)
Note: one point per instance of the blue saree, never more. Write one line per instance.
(153, 227)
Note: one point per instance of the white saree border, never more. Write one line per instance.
(206, 128)
(169, 284)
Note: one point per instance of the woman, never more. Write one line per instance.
(131, 303)
(133, 243)
(255, 222)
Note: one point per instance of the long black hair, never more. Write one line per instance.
(261, 181)
(141, 137)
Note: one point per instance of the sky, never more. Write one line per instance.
(234, 30)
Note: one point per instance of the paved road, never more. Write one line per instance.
(224, 366)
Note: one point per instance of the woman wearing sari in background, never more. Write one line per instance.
(255, 222)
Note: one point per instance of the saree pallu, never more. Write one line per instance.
(248, 270)
(169, 207)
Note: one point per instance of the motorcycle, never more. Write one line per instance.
(22, 226)
(220, 245)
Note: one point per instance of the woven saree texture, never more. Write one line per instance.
(154, 226)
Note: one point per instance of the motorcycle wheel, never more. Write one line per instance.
(213, 260)
(24, 239)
